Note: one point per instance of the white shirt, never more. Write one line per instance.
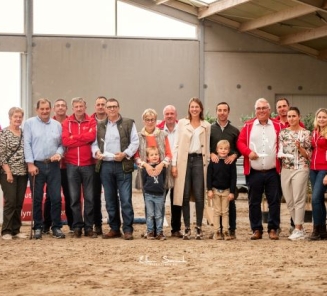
(171, 136)
(195, 145)
(263, 141)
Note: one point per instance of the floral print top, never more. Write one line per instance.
(291, 157)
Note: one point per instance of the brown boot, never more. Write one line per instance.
(323, 232)
(315, 235)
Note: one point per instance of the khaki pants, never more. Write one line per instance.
(221, 208)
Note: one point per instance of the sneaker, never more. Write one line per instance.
(227, 236)
(7, 236)
(187, 234)
(37, 234)
(161, 236)
(20, 235)
(232, 234)
(198, 233)
(297, 235)
(149, 235)
(57, 233)
(218, 236)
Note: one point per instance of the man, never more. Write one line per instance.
(223, 130)
(119, 142)
(60, 114)
(282, 107)
(43, 151)
(78, 133)
(258, 142)
(100, 116)
(169, 125)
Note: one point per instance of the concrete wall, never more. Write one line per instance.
(140, 73)
(240, 68)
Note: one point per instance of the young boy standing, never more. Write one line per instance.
(154, 195)
(221, 185)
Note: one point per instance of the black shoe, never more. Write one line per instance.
(98, 230)
(37, 234)
(90, 233)
(57, 233)
(77, 232)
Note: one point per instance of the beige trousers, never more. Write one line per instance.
(221, 208)
(294, 186)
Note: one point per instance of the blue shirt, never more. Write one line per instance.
(112, 142)
(41, 139)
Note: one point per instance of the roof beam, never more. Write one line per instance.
(303, 36)
(277, 17)
(159, 2)
(321, 4)
(219, 6)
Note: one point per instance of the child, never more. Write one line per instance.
(154, 195)
(221, 185)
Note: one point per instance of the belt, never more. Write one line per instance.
(195, 155)
(47, 160)
(264, 171)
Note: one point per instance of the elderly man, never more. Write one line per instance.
(43, 152)
(60, 114)
(223, 130)
(119, 142)
(258, 142)
(78, 133)
(169, 125)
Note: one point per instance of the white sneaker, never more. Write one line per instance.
(7, 236)
(297, 235)
(20, 235)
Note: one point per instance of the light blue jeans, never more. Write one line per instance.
(154, 205)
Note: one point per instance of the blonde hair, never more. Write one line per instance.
(150, 112)
(321, 131)
(151, 148)
(224, 143)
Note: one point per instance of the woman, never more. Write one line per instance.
(295, 150)
(151, 136)
(189, 166)
(13, 177)
(318, 174)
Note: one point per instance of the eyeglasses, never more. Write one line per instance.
(149, 120)
(112, 107)
(261, 108)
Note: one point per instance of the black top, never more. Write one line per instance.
(154, 185)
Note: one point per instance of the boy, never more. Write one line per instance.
(221, 185)
(154, 195)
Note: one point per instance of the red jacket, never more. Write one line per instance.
(243, 144)
(319, 152)
(77, 138)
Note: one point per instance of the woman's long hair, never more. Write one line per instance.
(321, 131)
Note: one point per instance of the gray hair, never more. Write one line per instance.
(261, 100)
(13, 110)
(78, 100)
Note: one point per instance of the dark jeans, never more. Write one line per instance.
(47, 222)
(97, 199)
(318, 197)
(49, 173)
(81, 177)
(117, 187)
(232, 216)
(13, 195)
(267, 182)
(175, 213)
(194, 183)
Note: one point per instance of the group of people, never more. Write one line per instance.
(189, 158)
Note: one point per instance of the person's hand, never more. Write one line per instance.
(230, 159)
(210, 194)
(119, 156)
(214, 157)
(150, 170)
(253, 155)
(55, 157)
(174, 171)
(32, 169)
(230, 196)
(99, 155)
(10, 177)
(158, 169)
(324, 180)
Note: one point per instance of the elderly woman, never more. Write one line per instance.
(152, 136)
(318, 175)
(189, 165)
(13, 177)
